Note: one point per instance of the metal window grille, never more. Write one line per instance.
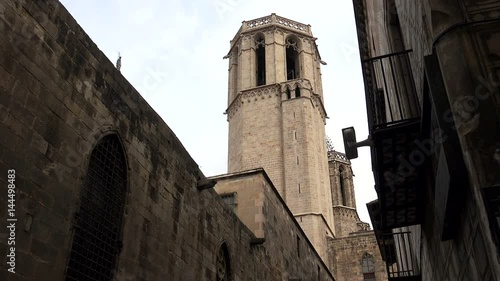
(97, 241)
(368, 267)
(399, 255)
(229, 199)
(223, 264)
(393, 96)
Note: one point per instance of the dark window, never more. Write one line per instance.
(223, 264)
(229, 199)
(368, 267)
(297, 92)
(261, 60)
(288, 94)
(292, 59)
(343, 195)
(97, 239)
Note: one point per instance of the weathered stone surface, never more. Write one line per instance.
(68, 96)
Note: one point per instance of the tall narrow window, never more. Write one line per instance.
(260, 45)
(223, 264)
(97, 239)
(288, 94)
(292, 59)
(368, 267)
(343, 195)
(297, 92)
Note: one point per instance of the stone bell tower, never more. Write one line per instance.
(345, 215)
(277, 118)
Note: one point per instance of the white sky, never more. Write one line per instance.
(172, 54)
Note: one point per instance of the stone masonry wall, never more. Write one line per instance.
(346, 254)
(59, 96)
(346, 220)
(266, 213)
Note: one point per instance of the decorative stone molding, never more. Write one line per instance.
(293, 24)
(316, 99)
(338, 156)
(272, 21)
(346, 212)
(251, 95)
(258, 22)
(363, 226)
(293, 84)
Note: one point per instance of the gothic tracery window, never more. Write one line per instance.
(368, 267)
(98, 224)
(223, 264)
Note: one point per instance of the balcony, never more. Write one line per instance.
(391, 95)
(400, 256)
(394, 122)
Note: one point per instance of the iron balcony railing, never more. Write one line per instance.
(390, 89)
(399, 255)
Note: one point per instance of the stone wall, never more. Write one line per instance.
(346, 220)
(260, 207)
(59, 96)
(346, 254)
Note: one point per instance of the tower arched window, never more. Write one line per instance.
(98, 223)
(297, 91)
(223, 264)
(292, 58)
(343, 187)
(260, 52)
(368, 267)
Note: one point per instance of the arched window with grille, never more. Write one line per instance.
(223, 264)
(98, 223)
(368, 267)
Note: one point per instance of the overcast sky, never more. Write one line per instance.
(172, 54)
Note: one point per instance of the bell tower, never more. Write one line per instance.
(277, 118)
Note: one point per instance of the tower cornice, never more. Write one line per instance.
(275, 90)
(273, 22)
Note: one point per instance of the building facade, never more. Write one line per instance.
(103, 188)
(431, 74)
(353, 253)
(277, 122)
(277, 118)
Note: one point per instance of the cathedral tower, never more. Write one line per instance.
(345, 215)
(277, 118)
